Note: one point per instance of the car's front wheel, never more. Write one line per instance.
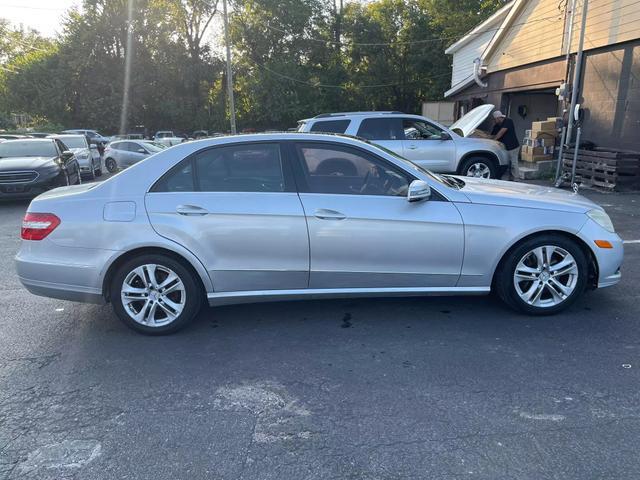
(155, 294)
(479, 167)
(543, 275)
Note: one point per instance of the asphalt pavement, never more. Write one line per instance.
(418, 388)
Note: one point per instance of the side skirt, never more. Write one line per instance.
(231, 298)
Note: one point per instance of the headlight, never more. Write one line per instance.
(602, 219)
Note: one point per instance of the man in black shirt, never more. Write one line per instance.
(504, 131)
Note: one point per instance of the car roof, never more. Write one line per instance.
(66, 135)
(351, 115)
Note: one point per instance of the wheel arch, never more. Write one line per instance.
(592, 279)
(200, 275)
(478, 153)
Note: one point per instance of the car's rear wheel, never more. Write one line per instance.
(155, 294)
(111, 164)
(479, 167)
(543, 275)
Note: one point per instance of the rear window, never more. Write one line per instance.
(330, 126)
(381, 129)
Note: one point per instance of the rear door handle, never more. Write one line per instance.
(325, 214)
(191, 210)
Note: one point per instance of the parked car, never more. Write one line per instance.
(29, 167)
(87, 155)
(290, 216)
(168, 138)
(123, 154)
(198, 134)
(421, 140)
(93, 136)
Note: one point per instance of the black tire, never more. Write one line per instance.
(111, 164)
(98, 170)
(78, 175)
(193, 299)
(488, 163)
(504, 281)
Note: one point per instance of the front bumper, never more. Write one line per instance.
(32, 189)
(608, 260)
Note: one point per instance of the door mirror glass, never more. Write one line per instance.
(418, 190)
(142, 150)
(66, 155)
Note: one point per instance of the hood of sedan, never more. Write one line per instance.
(524, 195)
(25, 163)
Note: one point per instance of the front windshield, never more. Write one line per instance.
(27, 148)
(74, 142)
(154, 147)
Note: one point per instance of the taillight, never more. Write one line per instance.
(36, 226)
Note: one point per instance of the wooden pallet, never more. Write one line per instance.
(604, 168)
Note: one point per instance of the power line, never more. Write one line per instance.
(343, 87)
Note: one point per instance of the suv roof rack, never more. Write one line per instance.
(344, 114)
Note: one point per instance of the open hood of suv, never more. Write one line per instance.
(472, 120)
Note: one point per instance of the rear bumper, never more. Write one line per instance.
(73, 293)
(78, 278)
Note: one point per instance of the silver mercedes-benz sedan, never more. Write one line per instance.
(264, 217)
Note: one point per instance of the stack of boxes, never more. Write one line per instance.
(540, 141)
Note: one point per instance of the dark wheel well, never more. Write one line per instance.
(113, 268)
(485, 155)
(592, 280)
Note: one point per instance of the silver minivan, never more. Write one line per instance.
(421, 140)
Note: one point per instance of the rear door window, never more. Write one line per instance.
(381, 129)
(330, 126)
(241, 168)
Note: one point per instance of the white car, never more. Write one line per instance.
(421, 140)
(167, 138)
(87, 154)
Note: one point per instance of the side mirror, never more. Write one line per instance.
(93, 146)
(66, 156)
(445, 136)
(142, 150)
(418, 190)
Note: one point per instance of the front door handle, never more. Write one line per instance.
(191, 210)
(325, 214)
(412, 147)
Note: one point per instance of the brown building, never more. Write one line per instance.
(520, 57)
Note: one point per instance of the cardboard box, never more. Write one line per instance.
(543, 128)
(544, 125)
(536, 154)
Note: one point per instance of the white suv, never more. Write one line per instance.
(423, 141)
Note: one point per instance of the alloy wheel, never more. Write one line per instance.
(546, 276)
(479, 170)
(153, 295)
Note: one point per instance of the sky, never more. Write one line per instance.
(42, 15)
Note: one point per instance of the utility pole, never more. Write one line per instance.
(575, 85)
(232, 105)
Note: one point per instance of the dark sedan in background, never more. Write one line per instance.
(32, 166)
